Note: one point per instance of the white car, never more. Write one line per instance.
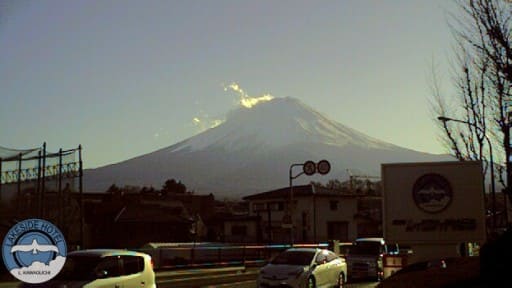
(104, 268)
(304, 267)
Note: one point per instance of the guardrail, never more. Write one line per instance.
(204, 277)
(168, 256)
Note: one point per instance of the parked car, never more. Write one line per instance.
(344, 248)
(304, 267)
(104, 268)
(443, 272)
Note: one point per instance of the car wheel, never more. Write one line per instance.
(341, 280)
(311, 282)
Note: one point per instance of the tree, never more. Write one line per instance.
(483, 82)
(113, 189)
(171, 186)
(146, 190)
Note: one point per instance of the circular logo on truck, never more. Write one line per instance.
(34, 251)
(432, 193)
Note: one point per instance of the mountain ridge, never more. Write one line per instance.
(252, 151)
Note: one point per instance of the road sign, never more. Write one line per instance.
(323, 167)
(309, 168)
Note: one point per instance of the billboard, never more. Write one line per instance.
(434, 203)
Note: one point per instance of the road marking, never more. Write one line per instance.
(230, 284)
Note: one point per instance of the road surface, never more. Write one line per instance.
(227, 277)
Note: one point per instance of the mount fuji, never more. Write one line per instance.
(252, 151)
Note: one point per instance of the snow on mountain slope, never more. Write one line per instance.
(252, 151)
(276, 123)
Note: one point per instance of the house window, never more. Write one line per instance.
(276, 206)
(337, 230)
(238, 230)
(334, 205)
(256, 207)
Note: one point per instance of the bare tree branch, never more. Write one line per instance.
(483, 81)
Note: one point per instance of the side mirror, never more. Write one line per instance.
(321, 262)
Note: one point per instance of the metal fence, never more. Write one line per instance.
(36, 183)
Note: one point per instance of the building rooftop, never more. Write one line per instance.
(299, 191)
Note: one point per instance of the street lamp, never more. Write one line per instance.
(493, 189)
(308, 168)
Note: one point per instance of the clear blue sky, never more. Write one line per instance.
(124, 78)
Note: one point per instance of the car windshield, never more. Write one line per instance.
(80, 268)
(365, 248)
(294, 258)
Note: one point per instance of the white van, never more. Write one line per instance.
(365, 256)
(105, 268)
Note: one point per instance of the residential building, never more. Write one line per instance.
(129, 220)
(317, 214)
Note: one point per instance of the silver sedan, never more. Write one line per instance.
(304, 267)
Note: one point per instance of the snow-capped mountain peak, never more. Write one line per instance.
(276, 123)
